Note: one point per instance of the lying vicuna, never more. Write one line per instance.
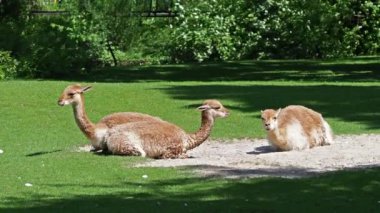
(161, 139)
(129, 133)
(73, 95)
(296, 128)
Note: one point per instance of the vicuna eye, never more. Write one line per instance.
(274, 118)
(71, 94)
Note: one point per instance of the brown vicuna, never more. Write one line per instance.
(296, 128)
(129, 133)
(73, 95)
(161, 139)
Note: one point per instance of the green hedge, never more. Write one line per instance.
(236, 29)
(8, 65)
(96, 33)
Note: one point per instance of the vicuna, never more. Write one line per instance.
(73, 95)
(296, 128)
(128, 133)
(161, 139)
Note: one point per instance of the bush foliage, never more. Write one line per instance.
(8, 66)
(97, 32)
(226, 29)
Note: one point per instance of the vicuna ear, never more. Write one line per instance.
(85, 89)
(278, 112)
(204, 107)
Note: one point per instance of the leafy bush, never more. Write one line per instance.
(8, 65)
(98, 32)
(226, 29)
(53, 50)
(205, 30)
(43, 45)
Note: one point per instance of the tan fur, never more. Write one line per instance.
(296, 127)
(136, 134)
(73, 95)
(126, 117)
(161, 139)
(158, 139)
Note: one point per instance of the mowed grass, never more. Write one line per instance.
(40, 139)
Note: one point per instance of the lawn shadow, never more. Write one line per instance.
(211, 171)
(355, 191)
(262, 150)
(358, 69)
(345, 102)
(42, 153)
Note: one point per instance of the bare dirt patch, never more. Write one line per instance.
(255, 158)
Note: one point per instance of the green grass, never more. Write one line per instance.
(39, 138)
(166, 190)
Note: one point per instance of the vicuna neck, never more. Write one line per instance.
(204, 131)
(275, 134)
(85, 125)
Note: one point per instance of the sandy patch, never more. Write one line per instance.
(255, 158)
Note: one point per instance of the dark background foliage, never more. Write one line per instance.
(78, 36)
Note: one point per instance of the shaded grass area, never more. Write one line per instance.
(338, 192)
(356, 69)
(337, 102)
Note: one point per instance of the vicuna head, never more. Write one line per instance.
(72, 94)
(215, 108)
(269, 118)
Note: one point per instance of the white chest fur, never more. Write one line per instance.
(296, 136)
(99, 140)
(134, 140)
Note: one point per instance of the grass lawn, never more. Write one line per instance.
(40, 139)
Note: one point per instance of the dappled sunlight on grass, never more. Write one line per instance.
(342, 191)
(348, 103)
(40, 140)
(356, 69)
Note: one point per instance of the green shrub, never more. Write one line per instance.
(8, 66)
(48, 46)
(205, 30)
(226, 29)
(54, 50)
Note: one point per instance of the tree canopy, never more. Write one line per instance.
(93, 33)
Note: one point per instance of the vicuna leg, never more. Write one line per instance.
(328, 134)
(120, 146)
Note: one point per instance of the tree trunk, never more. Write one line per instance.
(112, 53)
